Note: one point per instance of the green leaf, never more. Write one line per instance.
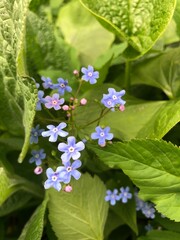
(161, 71)
(177, 16)
(80, 214)
(140, 119)
(140, 23)
(34, 227)
(29, 89)
(153, 166)
(16, 201)
(12, 26)
(81, 29)
(157, 235)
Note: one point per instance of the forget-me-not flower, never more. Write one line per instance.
(71, 170)
(89, 74)
(148, 210)
(47, 82)
(40, 101)
(112, 196)
(62, 86)
(125, 194)
(102, 134)
(35, 133)
(54, 178)
(37, 156)
(71, 149)
(55, 131)
(113, 98)
(54, 101)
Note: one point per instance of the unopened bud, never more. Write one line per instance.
(38, 170)
(68, 188)
(83, 101)
(122, 108)
(65, 107)
(76, 72)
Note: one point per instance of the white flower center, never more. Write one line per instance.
(55, 129)
(71, 149)
(69, 169)
(37, 155)
(112, 196)
(62, 85)
(90, 74)
(109, 102)
(54, 102)
(35, 134)
(54, 178)
(114, 97)
(102, 134)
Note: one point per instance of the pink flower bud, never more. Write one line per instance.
(83, 101)
(38, 170)
(68, 188)
(76, 72)
(71, 99)
(72, 107)
(68, 115)
(122, 108)
(65, 107)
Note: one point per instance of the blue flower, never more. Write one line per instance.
(54, 132)
(113, 98)
(89, 74)
(139, 203)
(35, 133)
(47, 83)
(71, 149)
(102, 134)
(37, 156)
(148, 227)
(148, 211)
(54, 101)
(125, 194)
(112, 196)
(70, 170)
(54, 178)
(40, 101)
(62, 86)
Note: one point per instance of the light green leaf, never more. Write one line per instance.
(80, 214)
(83, 32)
(140, 23)
(140, 119)
(34, 227)
(29, 89)
(177, 16)
(8, 187)
(161, 71)
(158, 235)
(153, 166)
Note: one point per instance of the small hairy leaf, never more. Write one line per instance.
(140, 23)
(153, 166)
(80, 214)
(34, 227)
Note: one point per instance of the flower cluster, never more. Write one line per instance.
(113, 99)
(113, 196)
(70, 148)
(147, 209)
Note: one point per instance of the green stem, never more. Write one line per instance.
(128, 75)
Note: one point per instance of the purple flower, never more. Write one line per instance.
(37, 156)
(47, 83)
(102, 134)
(71, 149)
(35, 133)
(113, 98)
(89, 74)
(54, 101)
(40, 101)
(125, 194)
(54, 132)
(62, 86)
(70, 170)
(139, 203)
(54, 178)
(112, 196)
(148, 211)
